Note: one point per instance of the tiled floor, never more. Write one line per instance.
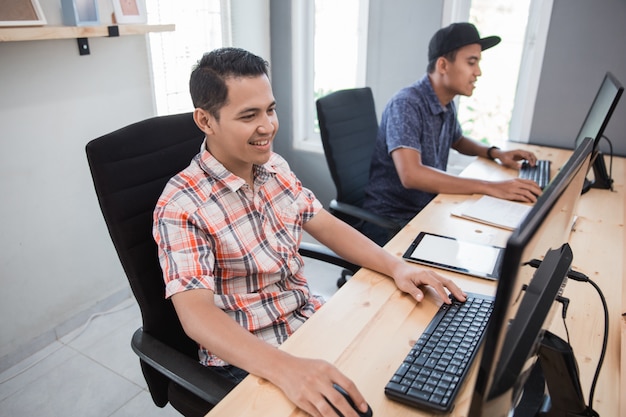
(94, 372)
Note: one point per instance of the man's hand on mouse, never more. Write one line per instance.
(309, 384)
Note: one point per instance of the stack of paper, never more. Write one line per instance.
(493, 211)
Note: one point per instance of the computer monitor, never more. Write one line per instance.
(594, 125)
(524, 300)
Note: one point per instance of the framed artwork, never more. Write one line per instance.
(129, 11)
(21, 13)
(80, 12)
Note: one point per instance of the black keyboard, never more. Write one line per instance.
(431, 375)
(540, 173)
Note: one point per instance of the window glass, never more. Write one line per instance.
(336, 45)
(336, 31)
(173, 54)
(486, 115)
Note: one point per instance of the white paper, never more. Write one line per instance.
(493, 211)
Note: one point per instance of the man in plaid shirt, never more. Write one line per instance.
(228, 228)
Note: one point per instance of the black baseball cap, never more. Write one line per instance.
(456, 36)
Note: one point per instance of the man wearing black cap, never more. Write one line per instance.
(419, 126)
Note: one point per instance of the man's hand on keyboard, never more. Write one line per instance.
(512, 158)
(525, 191)
(410, 278)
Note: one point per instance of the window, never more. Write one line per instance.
(173, 54)
(330, 41)
(486, 115)
(501, 107)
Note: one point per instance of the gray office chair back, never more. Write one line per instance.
(348, 128)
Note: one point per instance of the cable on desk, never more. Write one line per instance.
(577, 276)
(580, 277)
(610, 161)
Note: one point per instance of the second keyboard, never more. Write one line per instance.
(540, 173)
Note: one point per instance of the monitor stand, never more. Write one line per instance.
(602, 180)
(556, 372)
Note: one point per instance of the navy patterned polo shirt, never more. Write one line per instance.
(414, 118)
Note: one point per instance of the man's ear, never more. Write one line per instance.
(203, 120)
(441, 65)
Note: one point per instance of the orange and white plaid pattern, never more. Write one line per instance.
(214, 232)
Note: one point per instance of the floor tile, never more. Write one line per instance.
(142, 405)
(322, 277)
(115, 353)
(103, 324)
(77, 387)
(33, 368)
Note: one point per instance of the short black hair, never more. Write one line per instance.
(207, 84)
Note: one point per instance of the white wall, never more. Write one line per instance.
(585, 40)
(397, 51)
(57, 264)
(250, 26)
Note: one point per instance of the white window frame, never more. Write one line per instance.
(530, 69)
(305, 136)
(303, 27)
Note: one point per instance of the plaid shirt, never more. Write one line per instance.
(216, 233)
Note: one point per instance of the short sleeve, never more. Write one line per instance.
(185, 253)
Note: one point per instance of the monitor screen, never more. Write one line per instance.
(594, 125)
(511, 342)
(601, 110)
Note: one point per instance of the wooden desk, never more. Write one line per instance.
(368, 326)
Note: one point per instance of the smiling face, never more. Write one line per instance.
(247, 124)
(459, 76)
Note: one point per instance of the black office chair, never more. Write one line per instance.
(130, 168)
(348, 127)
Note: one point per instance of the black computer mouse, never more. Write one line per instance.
(368, 413)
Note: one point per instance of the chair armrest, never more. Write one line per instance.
(365, 215)
(322, 253)
(180, 368)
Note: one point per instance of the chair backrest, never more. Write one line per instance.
(348, 127)
(130, 168)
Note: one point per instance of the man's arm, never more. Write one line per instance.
(306, 382)
(353, 246)
(414, 175)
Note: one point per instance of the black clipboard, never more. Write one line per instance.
(452, 254)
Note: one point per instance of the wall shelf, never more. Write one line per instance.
(80, 33)
(73, 32)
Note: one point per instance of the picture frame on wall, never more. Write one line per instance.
(80, 12)
(129, 11)
(21, 13)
